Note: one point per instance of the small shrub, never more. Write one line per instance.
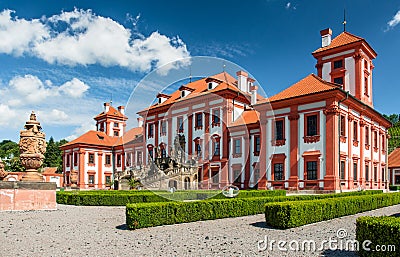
(383, 231)
(291, 214)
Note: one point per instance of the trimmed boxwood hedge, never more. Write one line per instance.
(294, 214)
(383, 231)
(394, 188)
(121, 198)
(141, 215)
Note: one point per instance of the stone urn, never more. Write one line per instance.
(3, 173)
(74, 178)
(32, 146)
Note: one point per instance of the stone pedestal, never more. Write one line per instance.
(23, 196)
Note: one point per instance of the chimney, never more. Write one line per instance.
(242, 80)
(253, 90)
(121, 109)
(106, 107)
(140, 121)
(326, 35)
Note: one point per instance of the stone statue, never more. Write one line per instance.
(73, 178)
(3, 173)
(32, 147)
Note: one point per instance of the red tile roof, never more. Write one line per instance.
(94, 138)
(200, 87)
(343, 38)
(112, 112)
(49, 170)
(309, 85)
(246, 118)
(130, 135)
(394, 158)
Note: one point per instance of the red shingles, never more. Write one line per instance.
(394, 158)
(343, 38)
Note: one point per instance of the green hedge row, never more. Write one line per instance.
(105, 198)
(294, 214)
(394, 188)
(141, 215)
(382, 232)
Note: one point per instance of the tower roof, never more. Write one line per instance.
(343, 39)
(112, 112)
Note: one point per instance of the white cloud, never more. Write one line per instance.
(19, 35)
(394, 21)
(7, 115)
(54, 117)
(80, 37)
(74, 88)
(288, 5)
(78, 131)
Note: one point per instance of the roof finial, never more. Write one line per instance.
(190, 73)
(111, 99)
(344, 20)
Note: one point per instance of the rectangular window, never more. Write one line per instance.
(338, 64)
(116, 133)
(163, 128)
(338, 80)
(238, 146)
(355, 171)
(237, 176)
(198, 149)
(108, 159)
(279, 133)
(91, 179)
(312, 169)
(216, 148)
(256, 175)
(68, 157)
(118, 160)
(383, 142)
(115, 124)
(366, 135)
(102, 127)
(257, 144)
(108, 180)
(75, 159)
(375, 139)
(278, 171)
(128, 159)
(342, 125)
(366, 86)
(355, 131)
(312, 125)
(342, 170)
(180, 124)
(366, 172)
(199, 120)
(150, 131)
(383, 174)
(139, 158)
(91, 158)
(216, 115)
(375, 174)
(215, 176)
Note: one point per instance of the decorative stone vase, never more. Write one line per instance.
(3, 173)
(32, 146)
(74, 178)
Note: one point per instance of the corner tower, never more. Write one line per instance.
(346, 60)
(111, 121)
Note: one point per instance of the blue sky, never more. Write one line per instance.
(75, 54)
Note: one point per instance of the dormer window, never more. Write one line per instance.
(162, 98)
(183, 93)
(210, 85)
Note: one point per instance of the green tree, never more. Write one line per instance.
(9, 153)
(394, 118)
(53, 155)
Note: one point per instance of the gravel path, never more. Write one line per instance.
(101, 231)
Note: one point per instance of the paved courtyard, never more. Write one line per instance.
(101, 231)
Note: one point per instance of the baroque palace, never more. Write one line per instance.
(321, 133)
